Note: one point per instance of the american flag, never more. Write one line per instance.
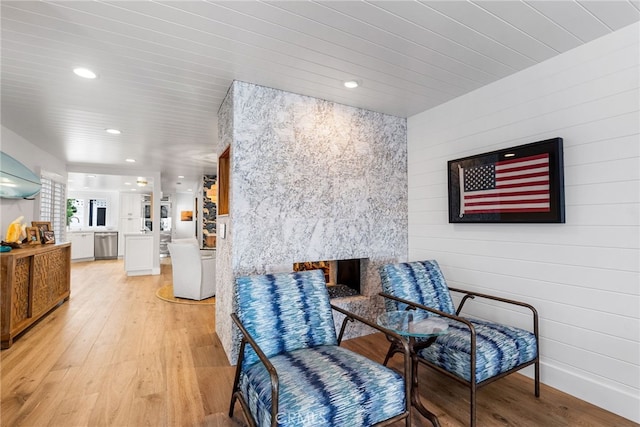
(509, 186)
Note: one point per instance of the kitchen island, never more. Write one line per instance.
(139, 254)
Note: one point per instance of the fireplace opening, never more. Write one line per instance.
(342, 276)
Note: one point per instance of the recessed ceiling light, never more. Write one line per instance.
(509, 155)
(127, 183)
(180, 176)
(133, 189)
(130, 160)
(113, 131)
(91, 176)
(351, 84)
(84, 72)
(189, 189)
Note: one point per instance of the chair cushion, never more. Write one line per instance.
(499, 348)
(285, 312)
(325, 386)
(419, 281)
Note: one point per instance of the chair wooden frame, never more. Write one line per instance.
(471, 384)
(236, 393)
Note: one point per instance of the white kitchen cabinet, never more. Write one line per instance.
(130, 205)
(138, 254)
(130, 225)
(130, 218)
(81, 245)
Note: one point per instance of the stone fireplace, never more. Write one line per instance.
(309, 180)
(342, 276)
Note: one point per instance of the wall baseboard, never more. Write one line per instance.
(612, 399)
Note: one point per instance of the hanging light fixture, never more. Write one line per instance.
(142, 182)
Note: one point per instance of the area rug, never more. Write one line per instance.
(165, 293)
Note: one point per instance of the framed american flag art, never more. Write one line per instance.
(518, 184)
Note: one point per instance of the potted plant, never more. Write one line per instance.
(71, 210)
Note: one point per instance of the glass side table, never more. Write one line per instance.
(411, 325)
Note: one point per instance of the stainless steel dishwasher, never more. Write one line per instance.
(105, 245)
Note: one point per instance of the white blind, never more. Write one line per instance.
(53, 206)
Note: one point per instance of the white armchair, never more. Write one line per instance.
(194, 276)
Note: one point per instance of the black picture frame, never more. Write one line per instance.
(48, 237)
(508, 185)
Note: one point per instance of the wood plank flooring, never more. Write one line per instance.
(116, 355)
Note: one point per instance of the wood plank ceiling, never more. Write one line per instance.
(164, 67)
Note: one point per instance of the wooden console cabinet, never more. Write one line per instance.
(34, 281)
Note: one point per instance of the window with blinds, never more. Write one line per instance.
(53, 206)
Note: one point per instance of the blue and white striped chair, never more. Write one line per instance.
(293, 371)
(474, 352)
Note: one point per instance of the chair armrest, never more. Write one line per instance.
(472, 295)
(273, 374)
(415, 305)
(351, 317)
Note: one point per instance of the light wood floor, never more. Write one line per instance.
(116, 355)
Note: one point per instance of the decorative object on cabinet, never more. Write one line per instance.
(16, 180)
(11, 245)
(186, 215)
(16, 231)
(48, 237)
(42, 225)
(518, 184)
(33, 236)
(35, 280)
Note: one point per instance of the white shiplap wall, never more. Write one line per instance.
(582, 276)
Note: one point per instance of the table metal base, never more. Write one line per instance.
(415, 395)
